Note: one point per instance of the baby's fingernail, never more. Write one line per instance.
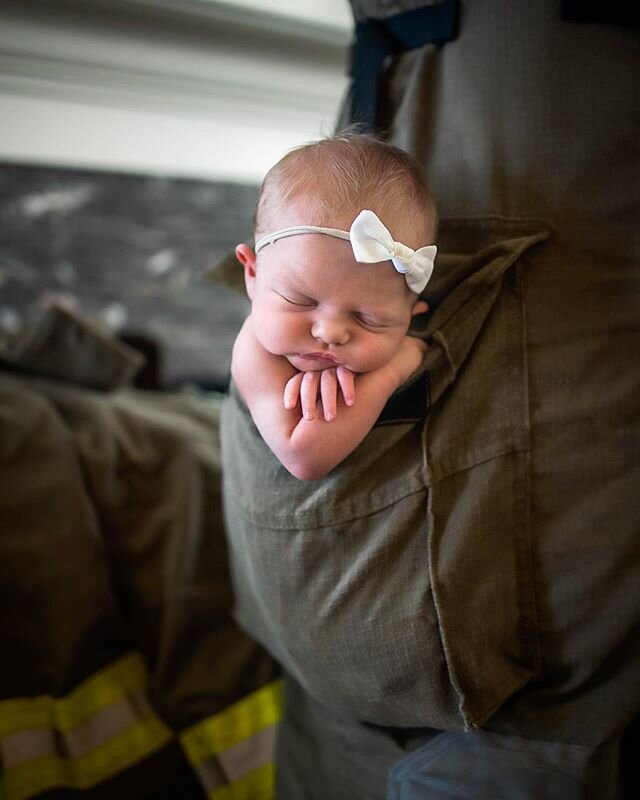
(328, 417)
(349, 401)
(308, 415)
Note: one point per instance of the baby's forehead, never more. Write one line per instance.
(318, 264)
(317, 208)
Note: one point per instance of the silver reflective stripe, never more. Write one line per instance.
(210, 775)
(249, 754)
(239, 760)
(100, 728)
(104, 725)
(26, 746)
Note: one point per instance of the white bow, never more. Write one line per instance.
(372, 242)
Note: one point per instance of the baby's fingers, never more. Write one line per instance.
(328, 392)
(347, 385)
(292, 391)
(309, 394)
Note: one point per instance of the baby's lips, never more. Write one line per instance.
(320, 357)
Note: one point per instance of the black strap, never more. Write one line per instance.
(375, 39)
(412, 403)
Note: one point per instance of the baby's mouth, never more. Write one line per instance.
(319, 357)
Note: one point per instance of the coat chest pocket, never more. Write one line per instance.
(332, 577)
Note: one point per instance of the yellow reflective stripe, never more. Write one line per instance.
(102, 689)
(232, 752)
(257, 785)
(122, 751)
(240, 721)
(226, 769)
(105, 726)
(102, 727)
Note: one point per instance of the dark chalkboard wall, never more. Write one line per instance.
(130, 250)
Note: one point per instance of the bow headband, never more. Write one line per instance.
(371, 242)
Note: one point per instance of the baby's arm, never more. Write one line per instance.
(309, 449)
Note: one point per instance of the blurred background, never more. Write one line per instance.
(133, 137)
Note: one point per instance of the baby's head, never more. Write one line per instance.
(329, 292)
(327, 183)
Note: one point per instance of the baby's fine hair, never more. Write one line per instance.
(347, 171)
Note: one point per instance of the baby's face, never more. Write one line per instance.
(314, 304)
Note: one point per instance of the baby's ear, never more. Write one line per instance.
(247, 258)
(420, 308)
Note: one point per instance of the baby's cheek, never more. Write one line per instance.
(284, 335)
(380, 350)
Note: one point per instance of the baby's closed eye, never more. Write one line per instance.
(372, 322)
(300, 302)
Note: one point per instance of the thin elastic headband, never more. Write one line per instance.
(371, 242)
(270, 238)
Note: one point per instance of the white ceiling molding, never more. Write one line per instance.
(326, 21)
(126, 84)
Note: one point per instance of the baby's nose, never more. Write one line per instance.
(330, 330)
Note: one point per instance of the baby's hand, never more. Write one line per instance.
(306, 386)
(408, 358)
